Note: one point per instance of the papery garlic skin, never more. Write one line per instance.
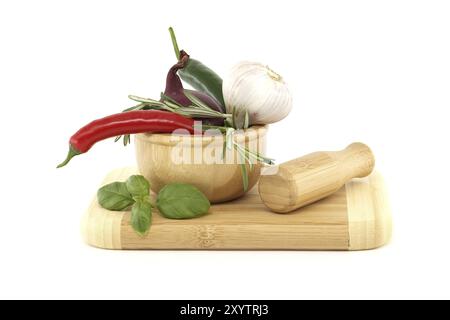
(255, 88)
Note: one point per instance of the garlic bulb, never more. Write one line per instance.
(255, 88)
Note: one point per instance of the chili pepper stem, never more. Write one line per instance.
(72, 153)
(174, 43)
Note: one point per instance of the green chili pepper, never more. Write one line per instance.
(199, 76)
(203, 79)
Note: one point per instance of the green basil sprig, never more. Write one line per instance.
(175, 201)
(134, 192)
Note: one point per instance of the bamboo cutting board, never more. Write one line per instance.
(357, 217)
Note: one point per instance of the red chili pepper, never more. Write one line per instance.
(125, 123)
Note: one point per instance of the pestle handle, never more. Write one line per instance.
(357, 161)
(307, 179)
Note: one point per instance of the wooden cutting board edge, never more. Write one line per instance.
(369, 213)
(369, 216)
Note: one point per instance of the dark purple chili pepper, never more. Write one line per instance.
(174, 90)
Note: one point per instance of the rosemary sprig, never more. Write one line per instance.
(246, 155)
(147, 101)
(254, 155)
(137, 107)
(167, 98)
(194, 111)
(244, 174)
(196, 101)
(198, 109)
(246, 120)
(228, 141)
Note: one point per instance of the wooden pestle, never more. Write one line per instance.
(305, 180)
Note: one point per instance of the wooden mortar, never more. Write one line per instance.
(219, 182)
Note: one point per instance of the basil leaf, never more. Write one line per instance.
(138, 186)
(181, 201)
(114, 196)
(141, 217)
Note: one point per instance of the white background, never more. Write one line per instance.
(370, 71)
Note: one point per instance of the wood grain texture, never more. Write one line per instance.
(307, 179)
(246, 224)
(368, 213)
(100, 227)
(197, 160)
